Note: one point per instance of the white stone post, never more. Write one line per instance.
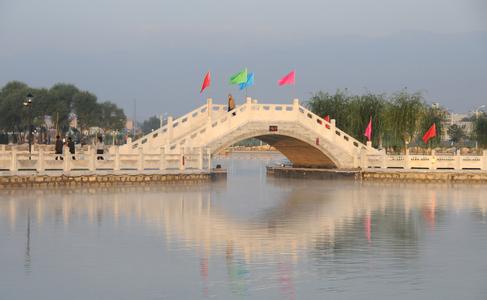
(116, 166)
(92, 158)
(458, 160)
(162, 162)
(200, 158)
(181, 159)
(208, 155)
(140, 165)
(40, 160)
(433, 159)
(66, 159)
(333, 129)
(406, 160)
(209, 107)
(13, 162)
(296, 108)
(485, 161)
(170, 128)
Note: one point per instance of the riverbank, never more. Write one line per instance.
(104, 178)
(387, 175)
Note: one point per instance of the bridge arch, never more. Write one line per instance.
(302, 151)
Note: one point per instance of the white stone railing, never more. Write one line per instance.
(45, 161)
(175, 128)
(429, 162)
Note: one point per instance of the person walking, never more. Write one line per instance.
(231, 103)
(58, 148)
(71, 147)
(100, 148)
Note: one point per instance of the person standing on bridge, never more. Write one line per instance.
(231, 103)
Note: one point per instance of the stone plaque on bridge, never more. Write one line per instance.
(272, 128)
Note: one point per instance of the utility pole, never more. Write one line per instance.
(134, 122)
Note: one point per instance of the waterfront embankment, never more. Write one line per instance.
(387, 175)
(101, 178)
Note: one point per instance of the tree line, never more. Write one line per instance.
(397, 120)
(59, 103)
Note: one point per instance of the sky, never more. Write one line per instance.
(156, 52)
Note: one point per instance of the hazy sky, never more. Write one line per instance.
(158, 51)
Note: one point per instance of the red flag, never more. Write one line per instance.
(368, 130)
(431, 133)
(288, 79)
(327, 118)
(206, 82)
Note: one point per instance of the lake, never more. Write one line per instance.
(251, 236)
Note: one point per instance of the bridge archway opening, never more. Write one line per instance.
(301, 154)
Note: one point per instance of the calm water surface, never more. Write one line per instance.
(249, 237)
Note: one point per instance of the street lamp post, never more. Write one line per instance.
(476, 117)
(28, 105)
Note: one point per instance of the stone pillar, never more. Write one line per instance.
(66, 159)
(209, 107)
(170, 121)
(333, 129)
(182, 162)
(458, 160)
(92, 158)
(485, 161)
(116, 166)
(162, 158)
(208, 155)
(406, 160)
(140, 162)
(40, 160)
(433, 159)
(200, 158)
(13, 160)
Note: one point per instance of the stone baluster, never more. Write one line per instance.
(458, 160)
(200, 158)
(170, 128)
(140, 165)
(182, 161)
(208, 156)
(485, 161)
(13, 161)
(209, 107)
(406, 159)
(333, 129)
(92, 158)
(116, 166)
(433, 160)
(66, 159)
(162, 162)
(40, 160)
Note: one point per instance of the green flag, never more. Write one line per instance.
(240, 77)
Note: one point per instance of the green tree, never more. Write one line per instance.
(480, 130)
(436, 115)
(150, 124)
(59, 104)
(87, 110)
(12, 96)
(112, 117)
(456, 133)
(403, 118)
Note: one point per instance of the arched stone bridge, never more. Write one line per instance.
(304, 138)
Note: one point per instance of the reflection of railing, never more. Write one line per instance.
(431, 162)
(44, 161)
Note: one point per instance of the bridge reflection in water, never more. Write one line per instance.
(321, 222)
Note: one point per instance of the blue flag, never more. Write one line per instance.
(249, 82)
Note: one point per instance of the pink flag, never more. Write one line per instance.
(368, 130)
(288, 79)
